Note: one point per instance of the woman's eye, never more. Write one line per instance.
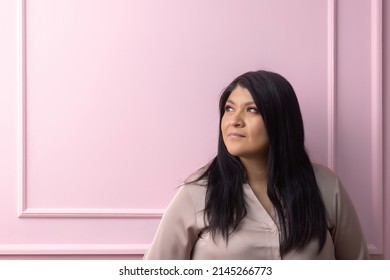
(253, 110)
(228, 108)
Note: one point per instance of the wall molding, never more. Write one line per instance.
(90, 213)
(377, 126)
(73, 249)
(21, 110)
(23, 210)
(331, 34)
(376, 245)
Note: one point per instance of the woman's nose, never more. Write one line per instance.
(237, 120)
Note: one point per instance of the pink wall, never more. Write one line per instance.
(386, 119)
(106, 106)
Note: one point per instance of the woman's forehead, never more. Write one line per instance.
(240, 95)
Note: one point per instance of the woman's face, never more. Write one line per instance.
(242, 126)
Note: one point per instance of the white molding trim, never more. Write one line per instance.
(376, 245)
(73, 249)
(331, 33)
(21, 110)
(376, 150)
(23, 210)
(377, 126)
(91, 213)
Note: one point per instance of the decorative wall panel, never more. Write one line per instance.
(113, 104)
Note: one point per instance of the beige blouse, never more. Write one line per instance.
(183, 233)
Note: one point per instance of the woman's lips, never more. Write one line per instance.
(236, 135)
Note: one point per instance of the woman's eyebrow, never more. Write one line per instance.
(246, 104)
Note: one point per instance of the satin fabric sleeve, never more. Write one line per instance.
(345, 228)
(177, 231)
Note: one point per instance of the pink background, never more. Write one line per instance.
(106, 106)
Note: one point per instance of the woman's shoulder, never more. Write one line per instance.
(325, 177)
(332, 190)
(193, 178)
(343, 222)
(328, 183)
(197, 180)
(194, 188)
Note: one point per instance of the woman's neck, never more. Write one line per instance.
(258, 180)
(256, 170)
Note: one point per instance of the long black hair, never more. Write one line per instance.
(292, 186)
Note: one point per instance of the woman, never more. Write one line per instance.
(260, 197)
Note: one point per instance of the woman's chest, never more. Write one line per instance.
(251, 240)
